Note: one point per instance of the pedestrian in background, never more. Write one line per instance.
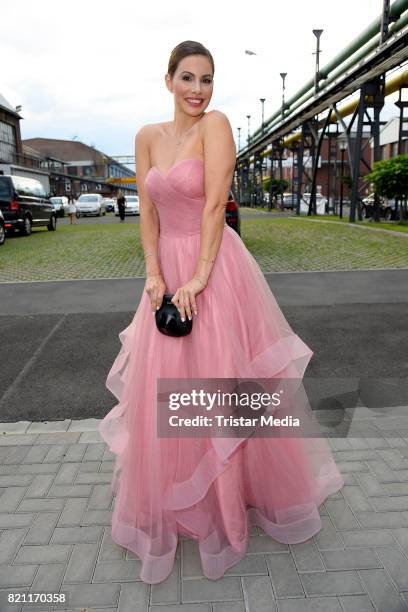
(72, 211)
(121, 200)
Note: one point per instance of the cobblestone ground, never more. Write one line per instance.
(55, 516)
(108, 250)
(297, 245)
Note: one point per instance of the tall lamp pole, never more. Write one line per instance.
(248, 138)
(262, 101)
(283, 75)
(343, 145)
(317, 33)
(239, 139)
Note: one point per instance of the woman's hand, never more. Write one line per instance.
(155, 288)
(184, 298)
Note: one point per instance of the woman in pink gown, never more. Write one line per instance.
(211, 489)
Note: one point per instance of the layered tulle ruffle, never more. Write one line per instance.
(211, 489)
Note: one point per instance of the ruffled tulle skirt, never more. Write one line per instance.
(210, 489)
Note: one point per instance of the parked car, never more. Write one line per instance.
(2, 229)
(232, 214)
(109, 204)
(132, 206)
(90, 204)
(25, 204)
(289, 200)
(387, 207)
(60, 204)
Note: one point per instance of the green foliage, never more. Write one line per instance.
(278, 186)
(389, 177)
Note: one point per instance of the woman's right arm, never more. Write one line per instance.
(149, 221)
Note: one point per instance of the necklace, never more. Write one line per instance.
(180, 140)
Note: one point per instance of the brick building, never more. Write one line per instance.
(78, 167)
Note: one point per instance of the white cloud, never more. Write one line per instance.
(96, 69)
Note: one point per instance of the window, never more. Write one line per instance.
(8, 147)
(28, 186)
(89, 198)
(4, 189)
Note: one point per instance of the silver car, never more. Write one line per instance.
(60, 204)
(132, 206)
(90, 204)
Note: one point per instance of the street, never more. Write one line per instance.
(61, 337)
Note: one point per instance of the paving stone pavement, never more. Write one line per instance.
(55, 513)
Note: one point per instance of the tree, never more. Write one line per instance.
(278, 187)
(389, 178)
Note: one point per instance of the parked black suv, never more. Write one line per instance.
(25, 204)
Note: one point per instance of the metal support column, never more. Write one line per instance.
(371, 96)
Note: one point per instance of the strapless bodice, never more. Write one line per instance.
(178, 195)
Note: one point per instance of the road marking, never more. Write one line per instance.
(6, 395)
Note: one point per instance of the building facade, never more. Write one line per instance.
(80, 168)
(64, 167)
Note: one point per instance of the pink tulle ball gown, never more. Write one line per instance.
(209, 489)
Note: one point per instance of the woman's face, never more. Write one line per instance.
(192, 79)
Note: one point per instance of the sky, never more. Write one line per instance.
(95, 70)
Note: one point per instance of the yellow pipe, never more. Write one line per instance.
(123, 179)
(391, 86)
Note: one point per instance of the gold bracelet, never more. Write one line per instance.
(148, 255)
(150, 275)
(209, 260)
(200, 281)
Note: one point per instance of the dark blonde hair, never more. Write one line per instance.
(184, 49)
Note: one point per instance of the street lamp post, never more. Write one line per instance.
(262, 101)
(317, 33)
(249, 180)
(239, 139)
(283, 75)
(343, 146)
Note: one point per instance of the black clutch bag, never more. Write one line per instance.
(168, 319)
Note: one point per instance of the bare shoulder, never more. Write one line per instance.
(216, 125)
(146, 131)
(216, 113)
(217, 132)
(217, 118)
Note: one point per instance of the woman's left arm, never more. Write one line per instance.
(219, 165)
